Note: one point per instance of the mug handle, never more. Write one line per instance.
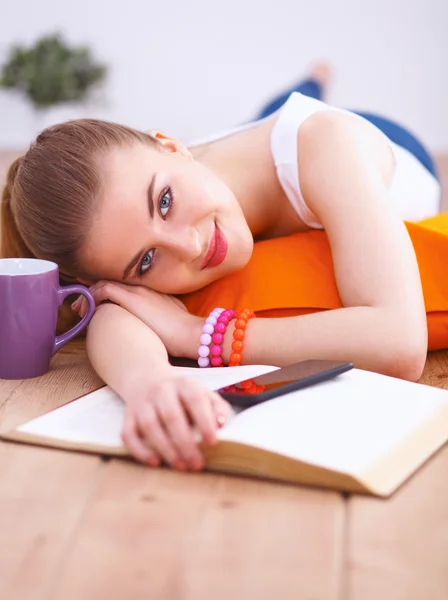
(63, 292)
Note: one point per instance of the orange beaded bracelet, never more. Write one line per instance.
(239, 334)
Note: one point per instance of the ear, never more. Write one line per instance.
(168, 143)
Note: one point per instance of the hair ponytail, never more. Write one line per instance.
(12, 245)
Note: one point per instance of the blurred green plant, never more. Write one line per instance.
(51, 72)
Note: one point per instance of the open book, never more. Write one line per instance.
(360, 432)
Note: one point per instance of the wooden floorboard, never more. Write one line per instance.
(43, 492)
(436, 369)
(70, 376)
(159, 534)
(398, 548)
(43, 496)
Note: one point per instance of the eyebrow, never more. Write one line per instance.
(139, 254)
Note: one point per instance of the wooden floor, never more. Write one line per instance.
(77, 527)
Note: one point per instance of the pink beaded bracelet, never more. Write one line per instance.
(218, 336)
(206, 337)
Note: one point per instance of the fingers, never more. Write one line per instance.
(198, 403)
(159, 426)
(153, 434)
(222, 409)
(174, 422)
(135, 445)
(102, 291)
(77, 304)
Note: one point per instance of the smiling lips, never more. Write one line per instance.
(217, 249)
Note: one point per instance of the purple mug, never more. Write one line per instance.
(30, 296)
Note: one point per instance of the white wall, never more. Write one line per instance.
(193, 66)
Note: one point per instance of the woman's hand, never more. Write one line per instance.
(161, 419)
(164, 314)
(165, 414)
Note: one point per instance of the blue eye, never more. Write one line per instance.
(146, 263)
(165, 202)
(165, 205)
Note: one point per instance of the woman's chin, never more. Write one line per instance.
(232, 263)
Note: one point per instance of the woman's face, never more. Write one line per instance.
(165, 221)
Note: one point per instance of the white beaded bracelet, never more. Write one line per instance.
(206, 337)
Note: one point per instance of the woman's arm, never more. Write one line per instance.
(160, 406)
(345, 170)
(118, 344)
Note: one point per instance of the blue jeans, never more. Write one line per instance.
(394, 132)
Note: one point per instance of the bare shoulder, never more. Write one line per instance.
(332, 134)
(334, 123)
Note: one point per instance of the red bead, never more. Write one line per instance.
(237, 346)
(217, 338)
(240, 324)
(216, 361)
(247, 384)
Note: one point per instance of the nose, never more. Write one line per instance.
(185, 245)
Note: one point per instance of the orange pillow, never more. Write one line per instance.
(294, 276)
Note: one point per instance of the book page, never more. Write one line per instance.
(344, 424)
(97, 418)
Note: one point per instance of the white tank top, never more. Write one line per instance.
(414, 191)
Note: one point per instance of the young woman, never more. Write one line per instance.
(141, 217)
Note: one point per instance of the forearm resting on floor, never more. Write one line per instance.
(124, 352)
(372, 338)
